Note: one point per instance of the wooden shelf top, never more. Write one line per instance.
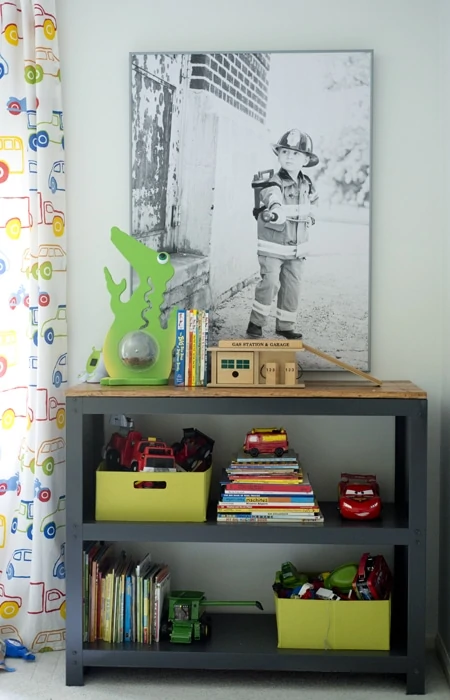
(400, 389)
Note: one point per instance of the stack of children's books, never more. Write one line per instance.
(123, 598)
(191, 349)
(267, 489)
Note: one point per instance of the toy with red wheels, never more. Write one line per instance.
(16, 299)
(19, 297)
(11, 484)
(16, 105)
(266, 441)
(22, 296)
(41, 492)
(4, 171)
(359, 496)
(44, 299)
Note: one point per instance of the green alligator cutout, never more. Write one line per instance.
(137, 349)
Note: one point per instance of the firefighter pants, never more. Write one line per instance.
(282, 278)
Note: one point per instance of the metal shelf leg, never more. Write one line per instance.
(416, 455)
(74, 545)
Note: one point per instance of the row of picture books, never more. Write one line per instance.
(191, 354)
(123, 598)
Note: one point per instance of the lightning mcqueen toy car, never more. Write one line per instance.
(359, 497)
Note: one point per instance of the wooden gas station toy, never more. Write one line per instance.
(266, 362)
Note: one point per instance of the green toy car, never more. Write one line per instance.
(186, 619)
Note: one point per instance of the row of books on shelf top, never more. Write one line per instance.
(191, 356)
(123, 597)
(267, 489)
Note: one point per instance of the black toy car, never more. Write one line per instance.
(194, 452)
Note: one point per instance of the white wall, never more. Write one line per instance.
(407, 284)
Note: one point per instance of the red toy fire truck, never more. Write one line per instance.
(153, 455)
(267, 441)
(359, 496)
(121, 449)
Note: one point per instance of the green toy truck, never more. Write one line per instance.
(186, 620)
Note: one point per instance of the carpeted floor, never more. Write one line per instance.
(45, 680)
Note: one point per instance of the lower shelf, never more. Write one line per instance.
(242, 642)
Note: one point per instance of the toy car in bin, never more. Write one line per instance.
(153, 455)
(129, 450)
(359, 497)
(194, 450)
(121, 449)
(373, 580)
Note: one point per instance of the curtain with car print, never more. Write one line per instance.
(33, 328)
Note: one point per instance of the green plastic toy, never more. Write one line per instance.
(186, 618)
(137, 349)
(289, 577)
(342, 578)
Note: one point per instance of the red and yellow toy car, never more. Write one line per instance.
(266, 441)
(359, 496)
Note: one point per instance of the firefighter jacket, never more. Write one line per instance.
(287, 240)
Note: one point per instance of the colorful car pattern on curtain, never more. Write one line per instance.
(33, 327)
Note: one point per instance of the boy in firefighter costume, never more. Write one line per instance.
(283, 212)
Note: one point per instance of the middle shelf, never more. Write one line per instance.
(391, 529)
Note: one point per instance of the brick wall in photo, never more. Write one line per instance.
(237, 78)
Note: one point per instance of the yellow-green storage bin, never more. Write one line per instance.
(184, 498)
(331, 624)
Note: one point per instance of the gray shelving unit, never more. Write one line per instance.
(247, 641)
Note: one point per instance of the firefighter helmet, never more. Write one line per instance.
(297, 140)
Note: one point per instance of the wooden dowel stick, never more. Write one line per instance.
(344, 365)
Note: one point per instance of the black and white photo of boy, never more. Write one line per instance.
(215, 137)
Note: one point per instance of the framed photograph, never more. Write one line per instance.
(253, 170)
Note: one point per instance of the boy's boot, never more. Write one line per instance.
(289, 335)
(254, 331)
